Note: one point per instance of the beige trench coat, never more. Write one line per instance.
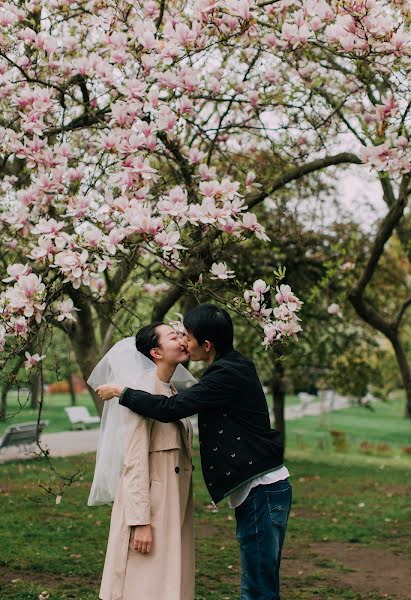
(155, 488)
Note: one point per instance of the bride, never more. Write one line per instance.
(145, 467)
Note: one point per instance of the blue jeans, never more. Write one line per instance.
(261, 524)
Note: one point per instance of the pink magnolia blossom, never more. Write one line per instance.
(334, 310)
(32, 360)
(16, 271)
(131, 136)
(74, 266)
(250, 223)
(25, 297)
(168, 241)
(65, 309)
(221, 271)
(20, 326)
(48, 227)
(260, 288)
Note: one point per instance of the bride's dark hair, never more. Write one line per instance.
(147, 338)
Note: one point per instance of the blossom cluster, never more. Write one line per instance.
(279, 323)
(127, 127)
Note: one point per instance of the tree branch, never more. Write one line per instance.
(401, 312)
(385, 230)
(298, 172)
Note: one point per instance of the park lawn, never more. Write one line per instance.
(60, 548)
(346, 503)
(381, 432)
(52, 411)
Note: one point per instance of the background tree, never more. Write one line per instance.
(128, 151)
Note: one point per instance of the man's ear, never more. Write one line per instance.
(208, 345)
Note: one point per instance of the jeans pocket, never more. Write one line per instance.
(279, 503)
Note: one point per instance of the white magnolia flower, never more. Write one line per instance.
(220, 271)
(334, 309)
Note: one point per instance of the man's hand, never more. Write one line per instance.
(142, 539)
(109, 391)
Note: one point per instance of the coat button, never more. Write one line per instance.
(177, 469)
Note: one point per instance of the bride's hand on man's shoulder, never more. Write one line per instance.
(109, 391)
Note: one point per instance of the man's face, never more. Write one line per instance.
(172, 348)
(195, 350)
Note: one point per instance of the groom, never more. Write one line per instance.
(241, 456)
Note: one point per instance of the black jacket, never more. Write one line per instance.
(236, 441)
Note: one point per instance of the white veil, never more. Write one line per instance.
(126, 366)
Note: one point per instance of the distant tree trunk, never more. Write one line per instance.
(85, 346)
(364, 307)
(35, 384)
(3, 400)
(8, 382)
(72, 389)
(278, 392)
(405, 369)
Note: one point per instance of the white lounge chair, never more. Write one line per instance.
(80, 417)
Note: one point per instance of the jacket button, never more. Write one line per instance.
(177, 469)
(192, 467)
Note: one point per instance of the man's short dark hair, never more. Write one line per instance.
(147, 338)
(212, 323)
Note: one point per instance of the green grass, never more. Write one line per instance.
(369, 435)
(290, 400)
(53, 410)
(340, 497)
(61, 548)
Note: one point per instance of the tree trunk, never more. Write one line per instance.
(35, 391)
(392, 334)
(278, 392)
(85, 346)
(72, 389)
(405, 371)
(3, 400)
(364, 308)
(166, 303)
(87, 358)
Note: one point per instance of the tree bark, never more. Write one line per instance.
(167, 302)
(85, 345)
(72, 390)
(278, 392)
(365, 310)
(8, 382)
(405, 371)
(35, 391)
(3, 400)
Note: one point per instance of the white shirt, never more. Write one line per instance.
(241, 493)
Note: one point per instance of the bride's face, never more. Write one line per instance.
(172, 349)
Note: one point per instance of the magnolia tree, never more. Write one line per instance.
(128, 131)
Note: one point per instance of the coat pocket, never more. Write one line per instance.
(156, 499)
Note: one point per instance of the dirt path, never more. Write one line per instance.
(48, 581)
(358, 568)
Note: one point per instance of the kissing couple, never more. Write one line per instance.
(144, 459)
